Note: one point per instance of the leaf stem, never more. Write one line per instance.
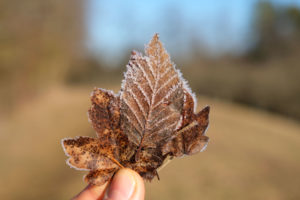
(117, 162)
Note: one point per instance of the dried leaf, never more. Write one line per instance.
(190, 138)
(151, 119)
(87, 154)
(151, 97)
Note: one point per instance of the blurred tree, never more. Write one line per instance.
(272, 82)
(276, 31)
(90, 70)
(39, 40)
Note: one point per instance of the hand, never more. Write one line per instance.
(125, 185)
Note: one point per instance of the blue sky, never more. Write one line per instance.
(217, 25)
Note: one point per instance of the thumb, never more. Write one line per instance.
(126, 185)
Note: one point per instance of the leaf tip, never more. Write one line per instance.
(156, 36)
(206, 109)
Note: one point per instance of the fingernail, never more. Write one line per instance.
(121, 187)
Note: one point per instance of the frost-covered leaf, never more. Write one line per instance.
(151, 119)
(190, 138)
(86, 154)
(151, 97)
(99, 155)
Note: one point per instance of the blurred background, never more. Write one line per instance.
(240, 57)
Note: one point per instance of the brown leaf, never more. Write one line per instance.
(151, 119)
(104, 114)
(87, 154)
(151, 97)
(190, 138)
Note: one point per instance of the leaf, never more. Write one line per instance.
(151, 97)
(190, 138)
(150, 120)
(99, 155)
(104, 115)
(86, 154)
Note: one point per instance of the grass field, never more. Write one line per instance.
(251, 154)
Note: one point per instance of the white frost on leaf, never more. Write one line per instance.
(151, 84)
(188, 89)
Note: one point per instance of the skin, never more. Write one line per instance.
(125, 185)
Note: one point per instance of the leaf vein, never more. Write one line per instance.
(134, 113)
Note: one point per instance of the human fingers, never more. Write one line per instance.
(126, 185)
